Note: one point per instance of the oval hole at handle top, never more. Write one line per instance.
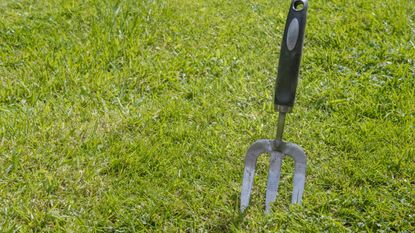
(292, 34)
(298, 5)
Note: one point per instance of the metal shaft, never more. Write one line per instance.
(280, 125)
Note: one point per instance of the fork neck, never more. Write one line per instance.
(280, 126)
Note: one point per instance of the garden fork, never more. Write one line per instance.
(286, 85)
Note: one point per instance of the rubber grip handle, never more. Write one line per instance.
(290, 55)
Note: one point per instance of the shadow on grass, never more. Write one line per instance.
(232, 221)
(230, 224)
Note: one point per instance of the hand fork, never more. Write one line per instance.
(286, 85)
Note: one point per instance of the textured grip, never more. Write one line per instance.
(290, 55)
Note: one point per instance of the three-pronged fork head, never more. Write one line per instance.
(277, 150)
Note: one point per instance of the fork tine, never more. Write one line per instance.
(273, 179)
(277, 154)
(256, 149)
(299, 181)
(300, 160)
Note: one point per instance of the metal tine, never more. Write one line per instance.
(273, 179)
(259, 147)
(299, 174)
(300, 161)
(277, 154)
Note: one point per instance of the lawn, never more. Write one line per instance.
(131, 116)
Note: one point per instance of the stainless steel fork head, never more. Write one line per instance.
(278, 150)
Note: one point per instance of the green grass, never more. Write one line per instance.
(125, 116)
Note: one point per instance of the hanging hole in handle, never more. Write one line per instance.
(298, 5)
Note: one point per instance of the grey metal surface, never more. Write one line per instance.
(273, 179)
(282, 108)
(280, 126)
(256, 149)
(300, 161)
(277, 149)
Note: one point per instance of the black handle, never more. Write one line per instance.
(290, 55)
